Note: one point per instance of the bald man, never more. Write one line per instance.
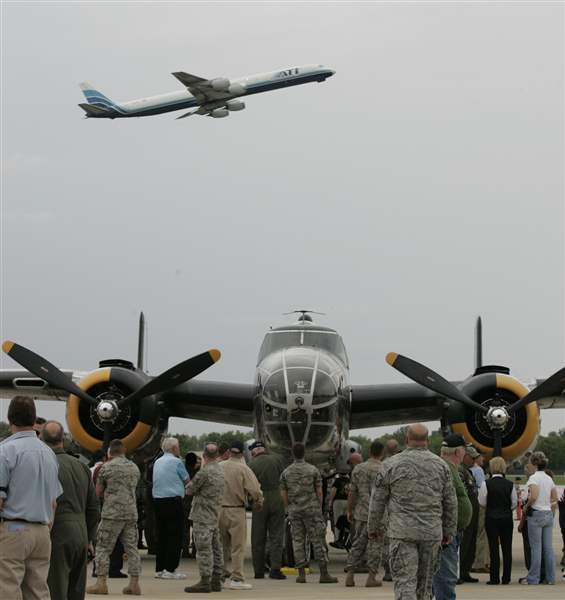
(413, 483)
(76, 517)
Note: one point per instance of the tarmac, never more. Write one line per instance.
(281, 590)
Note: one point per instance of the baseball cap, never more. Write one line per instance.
(256, 444)
(453, 440)
(472, 451)
(236, 445)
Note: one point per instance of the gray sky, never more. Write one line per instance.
(418, 187)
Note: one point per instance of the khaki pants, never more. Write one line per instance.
(233, 532)
(25, 549)
(482, 559)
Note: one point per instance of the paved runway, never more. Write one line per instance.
(282, 590)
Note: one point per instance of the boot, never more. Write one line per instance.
(100, 587)
(202, 587)
(350, 579)
(132, 589)
(325, 577)
(372, 580)
(216, 583)
(301, 575)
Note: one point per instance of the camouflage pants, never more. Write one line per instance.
(364, 549)
(108, 532)
(208, 549)
(304, 529)
(412, 565)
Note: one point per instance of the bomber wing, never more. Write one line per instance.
(214, 401)
(392, 404)
(20, 382)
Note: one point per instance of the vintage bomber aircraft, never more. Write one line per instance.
(301, 393)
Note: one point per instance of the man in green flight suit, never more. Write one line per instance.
(74, 525)
(270, 520)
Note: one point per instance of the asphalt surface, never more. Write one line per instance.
(267, 588)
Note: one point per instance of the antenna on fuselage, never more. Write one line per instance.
(304, 315)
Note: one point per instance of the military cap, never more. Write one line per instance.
(236, 445)
(256, 444)
(453, 440)
(472, 451)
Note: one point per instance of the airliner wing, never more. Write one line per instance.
(188, 79)
(199, 87)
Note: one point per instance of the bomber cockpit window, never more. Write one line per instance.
(327, 340)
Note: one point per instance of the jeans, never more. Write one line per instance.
(445, 579)
(540, 532)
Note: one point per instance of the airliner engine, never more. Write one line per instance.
(220, 84)
(234, 105)
(219, 113)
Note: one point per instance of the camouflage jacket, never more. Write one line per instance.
(417, 488)
(207, 489)
(119, 478)
(362, 479)
(301, 480)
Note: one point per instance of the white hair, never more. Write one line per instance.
(168, 444)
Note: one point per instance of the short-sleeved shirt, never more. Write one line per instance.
(545, 485)
(301, 480)
(119, 478)
(29, 481)
(169, 475)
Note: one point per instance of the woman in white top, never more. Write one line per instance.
(540, 509)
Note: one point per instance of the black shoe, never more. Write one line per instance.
(468, 579)
(489, 582)
(505, 582)
(259, 576)
(141, 546)
(276, 574)
(118, 575)
(460, 581)
(387, 577)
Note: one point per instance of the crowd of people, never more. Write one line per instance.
(423, 521)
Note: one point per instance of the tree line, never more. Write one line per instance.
(553, 444)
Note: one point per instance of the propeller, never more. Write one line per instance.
(430, 379)
(108, 410)
(496, 416)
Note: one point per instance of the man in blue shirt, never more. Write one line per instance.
(29, 488)
(169, 480)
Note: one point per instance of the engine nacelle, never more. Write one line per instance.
(348, 448)
(236, 89)
(219, 113)
(134, 425)
(234, 105)
(220, 84)
(492, 389)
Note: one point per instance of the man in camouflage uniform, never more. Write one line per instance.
(362, 480)
(416, 488)
(207, 489)
(301, 490)
(117, 482)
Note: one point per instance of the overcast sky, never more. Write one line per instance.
(420, 186)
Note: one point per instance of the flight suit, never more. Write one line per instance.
(74, 526)
(270, 520)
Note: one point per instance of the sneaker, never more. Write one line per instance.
(238, 585)
(159, 575)
(175, 575)
(523, 581)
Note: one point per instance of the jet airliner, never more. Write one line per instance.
(211, 97)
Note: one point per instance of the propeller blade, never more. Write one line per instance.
(174, 376)
(430, 379)
(42, 368)
(497, 438)
(107, 435)
(552, 386)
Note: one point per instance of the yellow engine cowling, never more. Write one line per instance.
(514, 444)
(140, 428)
